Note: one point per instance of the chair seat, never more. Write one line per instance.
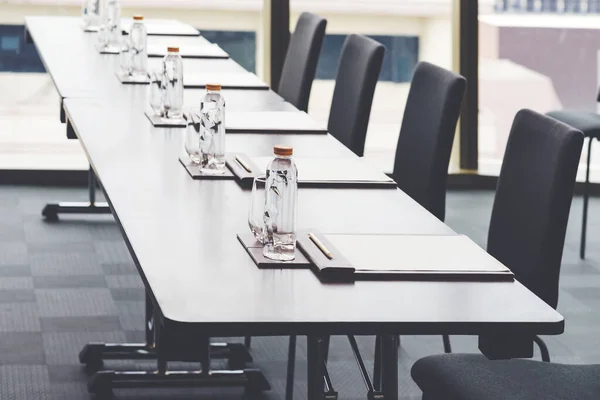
(587, 122)
(474, 377)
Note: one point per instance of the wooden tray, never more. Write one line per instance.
(129, 80)
(159, 122)
(255, 248)
(196, 173)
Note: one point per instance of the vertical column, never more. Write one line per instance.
(280, 38)
(275, 39)
(469, 64)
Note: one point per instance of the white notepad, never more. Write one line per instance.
(416, 254)
(331, 169)
(241, 80)
(190, 51)
(273, 122)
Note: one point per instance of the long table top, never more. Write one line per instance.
(182, 236)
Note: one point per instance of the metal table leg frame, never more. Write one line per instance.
(372, 393)
(389, 358)
(318, 381)
(93, 354)
(52, 210)
(103, 382)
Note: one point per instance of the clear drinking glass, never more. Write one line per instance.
(173, 84)
(257, 209)
(126, 58)
(212, 130)
(192, 140)
(280, 211)
(155, 93)
(90, 13)
(113, 35)
(138, 38)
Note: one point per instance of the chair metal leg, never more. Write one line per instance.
(289, 384)
(373, 393)
(447, 345)
(543, 348)
(586, 195)
(248, 341)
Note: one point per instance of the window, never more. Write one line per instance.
(541, 55)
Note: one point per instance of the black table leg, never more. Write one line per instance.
(166, 346)
(315, 367)
(52, 210)
(389, 358)
(94, 354)
(291, 366)
(103, 383)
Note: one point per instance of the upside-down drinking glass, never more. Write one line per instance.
(257, 209)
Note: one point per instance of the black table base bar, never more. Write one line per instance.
(52, 210)
(103, 382)
(93, 355)
(319, 384)
(164, 347)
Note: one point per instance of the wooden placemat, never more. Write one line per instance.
(255, 251)
(127, 79)
(195, 171)
(160, 122)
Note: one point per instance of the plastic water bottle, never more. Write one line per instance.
(90, 13)
(173, 84)
(138, 47)
(212, 130)
(281, 199)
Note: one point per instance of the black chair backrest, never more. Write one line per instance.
(355, 83)
(300, 65)
(426, 137)
(533, 198)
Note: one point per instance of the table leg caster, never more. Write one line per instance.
(239, 356)
(101, 385)
(257, 383)
(91, 356)
(50, 212)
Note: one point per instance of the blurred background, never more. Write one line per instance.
(537, 54)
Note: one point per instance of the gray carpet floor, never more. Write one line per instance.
(65, 284)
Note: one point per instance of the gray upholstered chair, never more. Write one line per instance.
(473, 377)
(357, 75)
(300, 65)
(587, 122)
(424, 147)
(527, 234)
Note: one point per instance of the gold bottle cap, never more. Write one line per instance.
(284, 151)
(173, 49)
(138, 17)
(213, 86)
